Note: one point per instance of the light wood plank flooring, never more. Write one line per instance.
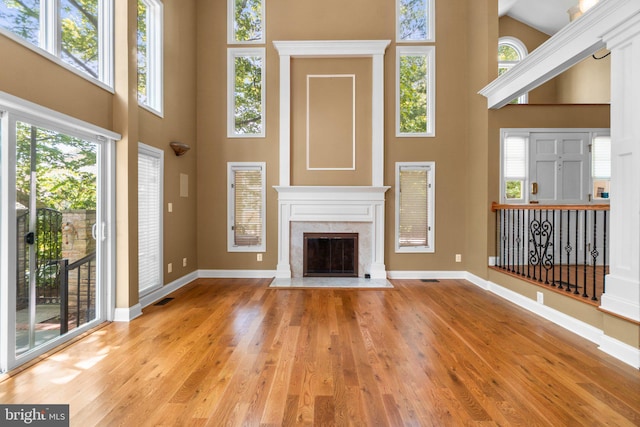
(234, 352)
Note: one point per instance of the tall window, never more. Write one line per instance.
(246, 21)
(415, 20)
(601, 166)
(246, 204)
(75, 33)
(246, 92)
(415, 102)
(149, 41)
(245, 69)
(510, 52)
(415, 195)
(150, 176)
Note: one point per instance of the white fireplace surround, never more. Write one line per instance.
(333, 204)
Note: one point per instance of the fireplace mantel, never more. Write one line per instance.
(331, 204)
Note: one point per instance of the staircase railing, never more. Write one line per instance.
(84, 282)
(561, 246)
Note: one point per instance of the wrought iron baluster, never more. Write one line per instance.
(594, 253)
(584, 256)
(604, 249)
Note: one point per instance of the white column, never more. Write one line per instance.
(285, 120)
(377, 122)
(378, 269)
(622, 292)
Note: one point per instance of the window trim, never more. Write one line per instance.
(429, 52)
(155, 58)
(431, 209)
(231, 167)
(231, 20)
(232, 54)
(430, 13)
(157, 154)
(49, 22)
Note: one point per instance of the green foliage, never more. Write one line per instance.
(413, 94)
(248, 20)
(514, 189)
(78, 29)
(413, 20)
(142, 51)
(64, 167)
(507, 53)
(248, 95)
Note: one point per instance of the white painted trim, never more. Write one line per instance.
(431, 23)
(232, 54)
(611, 346)
(231, 167)
(333, 49)
(159, 294)
(431, 198)
(566, 48)
(429, 52)
(353, 118)
(231, 20)
(127, 314)
(62, 122)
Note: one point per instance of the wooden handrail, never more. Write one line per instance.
(538, 207)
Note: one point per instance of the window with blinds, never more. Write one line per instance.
(150, 176)
(601, 166)
(246, 207)
(514, 167)
(415, 207)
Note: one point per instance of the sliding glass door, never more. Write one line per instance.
(53, 236)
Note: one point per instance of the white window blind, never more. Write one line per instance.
(150, 167)
(415, 208)
(601, 157)
(247, 207)
(515, 159)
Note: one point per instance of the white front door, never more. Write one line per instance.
(559, 168)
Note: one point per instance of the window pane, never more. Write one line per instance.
(79, 34)
(601, 157)
(149, 220)
(142, 39)
(514, 157)
(248, 95)
(412, 20)
(413, 94)
(513, 190)
(21, 18)
(508, 53)
(247, 226)
(247, 26)
(413, 226)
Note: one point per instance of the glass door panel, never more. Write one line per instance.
(56, 208)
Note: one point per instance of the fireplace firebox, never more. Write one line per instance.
(330, 255)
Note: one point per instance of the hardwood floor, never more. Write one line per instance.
(234, 352)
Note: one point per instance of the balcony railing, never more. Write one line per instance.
(560, 246)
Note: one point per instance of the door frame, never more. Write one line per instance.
(13, 109)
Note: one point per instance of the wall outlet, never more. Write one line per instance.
(169, 268)
(184, 262)
(259, 257)
(540, 297)
(169, 207)
(458, 257)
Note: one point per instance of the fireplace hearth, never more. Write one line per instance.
(330, 255)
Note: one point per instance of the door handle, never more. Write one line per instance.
(534, 188)
(30, 238)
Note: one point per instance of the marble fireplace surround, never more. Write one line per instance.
(355, 209)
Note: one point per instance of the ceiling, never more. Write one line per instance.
(548, 16)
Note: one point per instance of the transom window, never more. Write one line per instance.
(415, 20)
(75, 33)
(246, 21)
(149, 41)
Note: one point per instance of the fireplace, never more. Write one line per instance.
(330, 255)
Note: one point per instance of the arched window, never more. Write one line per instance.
(510, 52)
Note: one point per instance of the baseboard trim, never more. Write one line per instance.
(127, 314)
(158, 294)
(621, 351)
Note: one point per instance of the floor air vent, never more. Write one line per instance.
(430, 280)
(164, 301)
